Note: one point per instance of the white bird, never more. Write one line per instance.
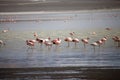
(75, 40)
(116, 40)
(104, 39)
(68, 39)
(94, 44)
(1, 43)
(99, 42)
(85, 41)
(4, 31)
(48, 44)
(30, 43)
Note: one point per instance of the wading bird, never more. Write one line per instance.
(75, 40)
(104, 39)
(94, 44)
(116, 40)
(85, 41)
(68, 39)
(41, 41)
(56, 41)
(99, 42)
(35, 34)
(30, 43)
(1, 43)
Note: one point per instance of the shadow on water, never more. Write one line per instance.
(60, 73)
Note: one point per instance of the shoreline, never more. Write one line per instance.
(57, 12)
(59, 73)
(61, 67)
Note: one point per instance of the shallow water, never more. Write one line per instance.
(15, 54)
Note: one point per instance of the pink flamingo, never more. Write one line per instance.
(56, 41)
(72, 33)
(35, 34)
(4, 31)
(94, 44)
(33, 41)
(93, 33)
(108, 29)
(47, 40)
(48, 44)
(116, 40)
(1, 43)
(99, 42)
(104, 39)
(30, 43)
(68, 39)
(85, 41)
(41, 41)
(75, 40)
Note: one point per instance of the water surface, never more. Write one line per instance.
(15, 54)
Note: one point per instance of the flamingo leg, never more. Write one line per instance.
(94, 48)
(75, 44)
(68, 44)
(84, 45)
(118, 44)
(99, 45)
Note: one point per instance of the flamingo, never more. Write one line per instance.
(85, 41)
(1, 43)
(4, 31)
(41, 41)
(116, 40)
(35, 34)
(48, 39)
(99, 42)
(72, 34)
(108, 29)
(104, 39)
(68, 39)
(49, 44)
(75, 40)
(30, 43)
(94, 44)
(56, 41)
(93, 33)
(33, 41)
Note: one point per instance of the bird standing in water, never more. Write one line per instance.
(94, 44)
(75, 40)
(68, 39)
(85, 41)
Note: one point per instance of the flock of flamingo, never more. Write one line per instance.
(48, 42)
